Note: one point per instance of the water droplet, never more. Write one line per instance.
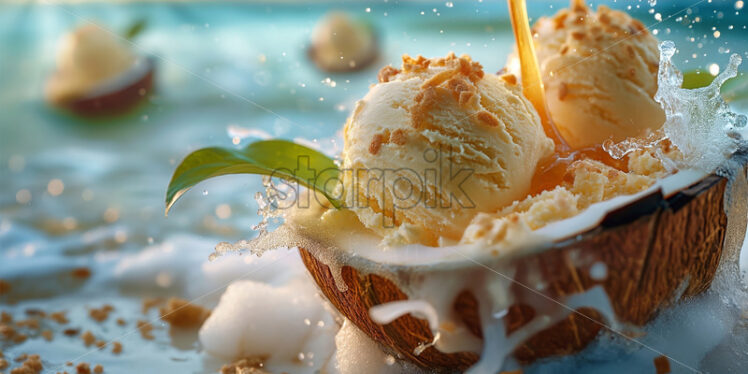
(205, 192)
(449, 4)
(652, 2)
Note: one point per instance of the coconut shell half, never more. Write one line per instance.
(118, 95)
(657, 250)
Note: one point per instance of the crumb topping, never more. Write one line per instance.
(488, 119)
(398, 137)
(510, 79)
(376, 143)
(386, 73)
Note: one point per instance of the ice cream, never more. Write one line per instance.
(435, 143)
(599, 70)
(341, 44)
(88, 57)
(587, 182)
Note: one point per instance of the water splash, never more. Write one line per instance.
(699, 122)
(268, 203)
(621, 149)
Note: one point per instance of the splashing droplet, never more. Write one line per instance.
(699, 122)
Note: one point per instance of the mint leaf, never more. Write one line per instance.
(276, 158)
(135, 28)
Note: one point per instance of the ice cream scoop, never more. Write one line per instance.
(599, 70)
(436, 142)
(88, 57)
(340, 43)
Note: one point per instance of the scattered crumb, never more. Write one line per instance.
(662, 365)
(245, 366)
(31, 323)
(146, 330)
(81, 273)
(47, 335)
(71, 332)
(100, 344)
(5, 317)
(180, 313)
(116, 348)
(3, 364)
(101, 314)
(7, 331)
(69, 363)
(20, 338)
(83, 368)
(59, 317)
(34, 312)
(98, 369)
(33, 364)
(121, 322)
(4, 287)
(88, 338)
(22, 357)
(151, 302)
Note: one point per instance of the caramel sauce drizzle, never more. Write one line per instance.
(552, 171)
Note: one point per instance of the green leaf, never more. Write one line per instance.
(276, 158)
(136, 28)
(734, 89)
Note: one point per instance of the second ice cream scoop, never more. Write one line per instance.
(599, 70)
(436, 142)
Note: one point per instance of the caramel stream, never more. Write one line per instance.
(552, 171)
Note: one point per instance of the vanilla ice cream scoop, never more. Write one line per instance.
(436, 142)
(599, 70)
(87, 57)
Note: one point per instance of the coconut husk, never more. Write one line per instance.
(657, 250)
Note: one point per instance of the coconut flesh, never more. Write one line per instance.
(699, 123)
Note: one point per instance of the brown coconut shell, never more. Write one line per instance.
(118, 97)
(658, 250)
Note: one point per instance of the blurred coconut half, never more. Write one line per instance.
(340, 43)
(98, 74)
